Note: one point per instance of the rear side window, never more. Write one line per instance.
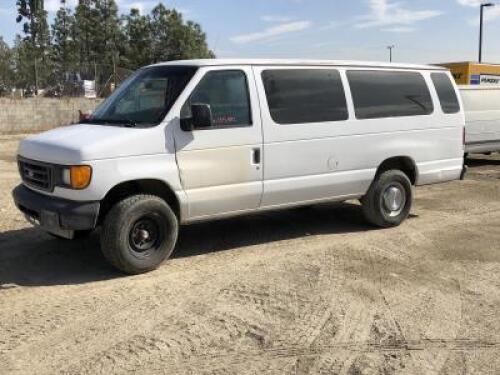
(446, 93)
(298, 96)
(379, 94)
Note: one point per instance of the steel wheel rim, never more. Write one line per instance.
(146, 236)
(394, 199)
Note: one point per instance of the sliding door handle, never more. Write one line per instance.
(256, 156)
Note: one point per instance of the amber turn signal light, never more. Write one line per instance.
(80, 176)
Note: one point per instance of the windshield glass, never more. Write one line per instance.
(145, 98)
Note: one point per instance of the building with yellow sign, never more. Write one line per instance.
(472, 73)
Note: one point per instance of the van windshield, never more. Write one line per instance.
(145, 98)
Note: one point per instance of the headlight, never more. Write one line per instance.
(66, 176)
(76, 177)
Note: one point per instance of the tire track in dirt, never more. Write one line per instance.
(333, 357)
(86, 319)
(47, 328)
(237, 326)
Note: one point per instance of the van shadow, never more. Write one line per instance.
(227, 234)
(29, 257)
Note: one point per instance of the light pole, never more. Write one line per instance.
(390, 48)
(482, 6)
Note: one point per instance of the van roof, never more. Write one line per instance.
(298, 62)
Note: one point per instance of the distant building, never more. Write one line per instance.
(472, 73)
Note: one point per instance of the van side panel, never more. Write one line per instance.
(482, 118)
(315, 161)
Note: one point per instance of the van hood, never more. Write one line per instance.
(84, 142)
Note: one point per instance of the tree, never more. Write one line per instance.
(94, 41)
(23, 65)
(85, 31)
(163, 36)
(175, 40)
(98, 30)
(6, 68)
(99, 36)
(195, 42)
(139, 40)
(109, 37)
(36, 30)
(64, 51)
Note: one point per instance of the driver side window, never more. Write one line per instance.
(226, 92)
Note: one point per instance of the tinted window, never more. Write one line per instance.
(302, 96)
(378, 94)
(446, 93)
(226, 92)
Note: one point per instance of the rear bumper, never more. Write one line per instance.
(55, 214)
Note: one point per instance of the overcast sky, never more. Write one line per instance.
(423, 31)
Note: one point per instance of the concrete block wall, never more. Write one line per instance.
(18, 116)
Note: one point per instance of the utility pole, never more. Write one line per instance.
(114, 72)
(95, 76)
(36, 76)
(481, 21)
(390, 48)
(35, 7)
(65, 37)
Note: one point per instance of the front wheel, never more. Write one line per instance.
(139, 233)
(388, 202)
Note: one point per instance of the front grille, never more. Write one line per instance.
(36, 174)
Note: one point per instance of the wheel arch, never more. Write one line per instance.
(141, 186)
(403, 163)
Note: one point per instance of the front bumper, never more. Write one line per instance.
(56, 215)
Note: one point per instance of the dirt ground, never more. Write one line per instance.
(305, 291)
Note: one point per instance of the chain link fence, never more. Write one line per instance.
(90, 81)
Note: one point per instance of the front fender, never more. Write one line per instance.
(109, 173)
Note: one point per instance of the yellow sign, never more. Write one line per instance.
(469, 73)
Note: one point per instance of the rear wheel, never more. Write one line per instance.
(139, 233)
(388, 202)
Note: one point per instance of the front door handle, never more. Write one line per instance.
(256, 156)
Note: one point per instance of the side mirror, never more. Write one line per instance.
(201, 118)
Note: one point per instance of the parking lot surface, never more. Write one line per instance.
(305, 291)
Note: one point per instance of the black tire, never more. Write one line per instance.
(139, 233)
(79, 234)
(382, 205)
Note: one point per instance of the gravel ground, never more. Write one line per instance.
(305, 291)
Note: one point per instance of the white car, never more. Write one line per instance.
(482, 118)
(188, 141)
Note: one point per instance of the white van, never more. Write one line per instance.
(188, 141)
(482, 118)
